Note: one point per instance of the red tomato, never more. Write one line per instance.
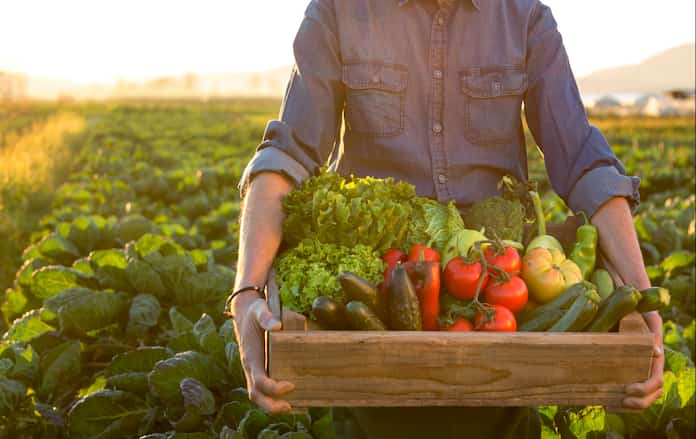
(461, 325)
(391, 257)
(503, 320)
(428, 254)
(462, 276)
(508, 261)
(512, 294)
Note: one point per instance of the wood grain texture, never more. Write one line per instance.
(393, 368)
(348, 368)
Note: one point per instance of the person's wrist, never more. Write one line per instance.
(240, 303)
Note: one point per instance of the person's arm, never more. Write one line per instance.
(619, 244)
(584, 171)
(292, 149)
(259, 238)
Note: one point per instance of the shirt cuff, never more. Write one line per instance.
(272, 159)
(601, 184)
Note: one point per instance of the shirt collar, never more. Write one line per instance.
(473, 2)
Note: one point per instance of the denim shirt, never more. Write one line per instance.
(433, 95)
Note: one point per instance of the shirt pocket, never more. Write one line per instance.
(375, 98)
(493, 103)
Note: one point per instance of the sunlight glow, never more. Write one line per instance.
(86, 41)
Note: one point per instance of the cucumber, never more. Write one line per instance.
(604, 283)
(542, 321)
(329, 313)
(653, 299)
(561, 302)
(362, 290)
(404, 308)
(579, 315)
(622, 301)
(362, 318)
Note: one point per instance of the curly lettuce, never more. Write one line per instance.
(348, 212)
(310, 269)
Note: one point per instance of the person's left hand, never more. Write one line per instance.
(642, 395)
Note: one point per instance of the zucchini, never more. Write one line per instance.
(362, 318)
(562, 302)
(543, 321)
(404, 308)
(604, 283)
(329, 313)
(653, 299)
(362, 290)
(579, 315)
(615, 307)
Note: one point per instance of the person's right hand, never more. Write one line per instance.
(252, 318)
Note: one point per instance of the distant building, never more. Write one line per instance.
(12, 87)
(670, 103)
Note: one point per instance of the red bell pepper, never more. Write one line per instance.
(391, 257)
(425, 276)
(420, 252)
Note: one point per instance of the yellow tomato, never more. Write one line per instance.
(548, 273)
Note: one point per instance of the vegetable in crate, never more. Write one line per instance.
(404, 308)
(310, 270)
(501, 217)
(603, 281)
(508, 291)
(361, 318)
(391, 257)
(496, 318)
(360, 289)
(584, 253)
(329, 313)
(548, 315)
(360, 211)
(542, 239)
(425, 276)
(653, 299)
(448, 235)
(462, 275)
(548, 273)
(622, 301)
(580, 313)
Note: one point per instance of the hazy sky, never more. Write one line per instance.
(88, 40)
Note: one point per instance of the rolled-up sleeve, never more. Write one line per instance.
(582, 168)
(308, 127)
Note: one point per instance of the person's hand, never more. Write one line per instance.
(642, 395)
(252, 318)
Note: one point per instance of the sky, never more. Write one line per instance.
(106, 40)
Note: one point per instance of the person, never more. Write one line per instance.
(431, 93)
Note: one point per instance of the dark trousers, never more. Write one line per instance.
(437, 422)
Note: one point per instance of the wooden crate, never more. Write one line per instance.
(398, 368)
(393, 368)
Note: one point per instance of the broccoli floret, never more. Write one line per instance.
(501, 218)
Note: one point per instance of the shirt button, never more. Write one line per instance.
(375, 79)
(442, 178)
(437, 128)
(437, 74)
(440, 20)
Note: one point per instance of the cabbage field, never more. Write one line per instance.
(112, 324)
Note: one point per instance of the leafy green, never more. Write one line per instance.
(58, 249)
(359, 211)
(310, 269)
(59, 365)
(52, 279)
(106, 414)
(91, 311)
(27, 327)
(110, 269)
(167, 374)
(143, 314)
(209, 339)
(12, 393)
(144, 278)
(197, 397)
(447, 232)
